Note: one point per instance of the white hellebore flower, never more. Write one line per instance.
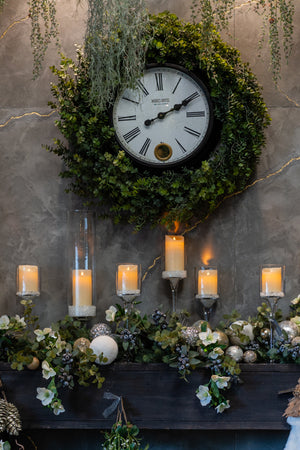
(215, 353)
(203, 394)
(296, 320)
(48, 372)
(45, 395)
(57, 408)
(208, 337)
(296, 300)
(110, 313)
(221, 382)
(41, 334)
(20, 320)
(222, 406)
(4, 322)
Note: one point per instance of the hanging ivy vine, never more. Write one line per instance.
(101, 173)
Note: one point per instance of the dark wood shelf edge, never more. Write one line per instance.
(155, 397)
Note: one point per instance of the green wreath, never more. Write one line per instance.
(103, 174)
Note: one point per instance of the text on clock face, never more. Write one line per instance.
(167, 106)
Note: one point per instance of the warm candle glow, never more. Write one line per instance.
(174, 253)
(127, 281)
(271, 280)
(82, 287)
(28, 280)
(207, 282)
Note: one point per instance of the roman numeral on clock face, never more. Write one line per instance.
(176, 85)
(142, 87)
(130, 100)
(192, 132)
(192, 97)
(132, 134)
(126, 118)
(145, 147)
(159, 81)
(195, 114)
(180, 145)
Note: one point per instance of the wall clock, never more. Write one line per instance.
(166, 120)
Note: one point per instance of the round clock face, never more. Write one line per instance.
(166, 119)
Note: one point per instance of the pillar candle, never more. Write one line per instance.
(271, 280)
(174, 253)
(127, 278)
(28, 279)
(208, 282)
(82, 287)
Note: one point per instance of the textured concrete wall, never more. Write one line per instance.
(259, 226)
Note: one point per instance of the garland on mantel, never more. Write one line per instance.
(66, 358)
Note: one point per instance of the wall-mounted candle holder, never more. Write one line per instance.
(272, 290)
(82, 264)
(174, 256)
(206, 286)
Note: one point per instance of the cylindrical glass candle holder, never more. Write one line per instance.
(28, 281)
(206, 282)
(82, 264)
(128, 279)
(272, 280)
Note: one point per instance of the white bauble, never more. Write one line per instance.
(107, 346)
(235, 352)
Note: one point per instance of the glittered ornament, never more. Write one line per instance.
(34, 364)
(290, 328)
(222, 338)
(265, 333)
(190, 335)
(82, 344)
(100, 329)
(296, 341)
(199, 324)
(235, 352)
(107, 346)
(250, 356)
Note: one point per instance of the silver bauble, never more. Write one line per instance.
(222, 338)
(82, 344)
(190, 335)
(290, 328)
(249, 356)
(199, 324)
(296, 341)
(235, 352)
(265, 333)
(100, 329)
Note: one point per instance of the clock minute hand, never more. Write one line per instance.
(176, 107)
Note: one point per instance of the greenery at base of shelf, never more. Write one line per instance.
(161, 337)
(105, 176)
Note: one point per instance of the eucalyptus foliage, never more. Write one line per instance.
(102, 173)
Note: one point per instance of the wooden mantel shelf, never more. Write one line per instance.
(156, 398)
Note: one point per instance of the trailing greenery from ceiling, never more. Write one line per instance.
(106, 18)
(115, 45)
(44, 29)
(277, 25)
(101, 173)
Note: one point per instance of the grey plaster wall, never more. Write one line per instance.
(259, 226)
